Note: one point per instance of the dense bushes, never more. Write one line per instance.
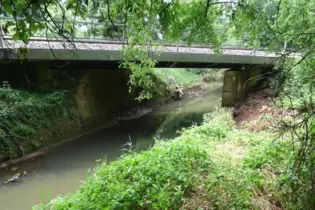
(155, 179)
(295, 85)
(212, 166)
(23, 114)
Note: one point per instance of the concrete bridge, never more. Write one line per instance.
(109, 51)
(245, 64)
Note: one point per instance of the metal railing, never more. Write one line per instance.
(105, 40)
(102, 39)
(111, 40)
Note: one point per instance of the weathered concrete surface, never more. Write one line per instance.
(239, 82)
(93, 99)
(78, 51)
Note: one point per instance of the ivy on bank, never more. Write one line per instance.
(23, 114)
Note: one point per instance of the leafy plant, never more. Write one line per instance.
(23, 114)
(155, 179)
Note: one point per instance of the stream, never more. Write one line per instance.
(63, 169)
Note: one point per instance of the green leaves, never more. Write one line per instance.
(16, 36)
(22, 115)
(20, 4)
(7, 6)
(155, 179)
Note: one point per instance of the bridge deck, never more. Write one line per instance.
(112, 52)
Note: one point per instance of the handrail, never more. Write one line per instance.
(59, 21)
(121, 42)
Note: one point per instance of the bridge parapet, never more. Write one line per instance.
(112, 51)
(88, 44)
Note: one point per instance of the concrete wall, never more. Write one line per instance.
(238, 83)
(95, 96)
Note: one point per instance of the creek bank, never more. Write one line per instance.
(259, 112)
(74, 158)
(216, 165)
(61, 104)
(133, 113)
(47, 116)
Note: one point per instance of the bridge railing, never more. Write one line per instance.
(89, 25)
(106, 40)
(84, 26)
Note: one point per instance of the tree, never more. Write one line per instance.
(274, 24)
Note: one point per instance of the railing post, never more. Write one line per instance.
(1, 38)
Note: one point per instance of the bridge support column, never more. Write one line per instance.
(235, 86)
(238, 83)
(254, 79)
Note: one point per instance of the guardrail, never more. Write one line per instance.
(122, 42)
(107, 40)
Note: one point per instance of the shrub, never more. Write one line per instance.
(213, 165)
(155, 179)
(215, 127)
(208, 78)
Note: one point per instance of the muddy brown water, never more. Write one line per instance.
(62, 170)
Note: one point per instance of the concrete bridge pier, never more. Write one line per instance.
(238, 83)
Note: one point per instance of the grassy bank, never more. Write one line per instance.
(212, 166)
(33, 120)
(30, 121)
(188, 77)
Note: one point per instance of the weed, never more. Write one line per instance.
(177, 76)
(155, 179)
(212, 166)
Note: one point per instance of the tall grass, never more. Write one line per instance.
(154, 179)
(179, 75)
(212, 166)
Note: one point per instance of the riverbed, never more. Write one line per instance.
(64, 168)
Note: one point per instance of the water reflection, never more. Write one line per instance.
(63, 169)
(188, 113)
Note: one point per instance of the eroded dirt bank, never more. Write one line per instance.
(257, 109)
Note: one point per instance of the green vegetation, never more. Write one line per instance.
(215, 165)
(285, 26)
(24, 114)
(178, 76)
(154, 179)
(188, 77)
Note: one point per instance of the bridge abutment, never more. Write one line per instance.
(238, 83)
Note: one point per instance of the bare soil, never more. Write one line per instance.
(257, 107)
(254, 107)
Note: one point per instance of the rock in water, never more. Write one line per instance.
(14, 178)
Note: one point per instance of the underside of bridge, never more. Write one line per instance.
(97, 64)
(239, 82)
